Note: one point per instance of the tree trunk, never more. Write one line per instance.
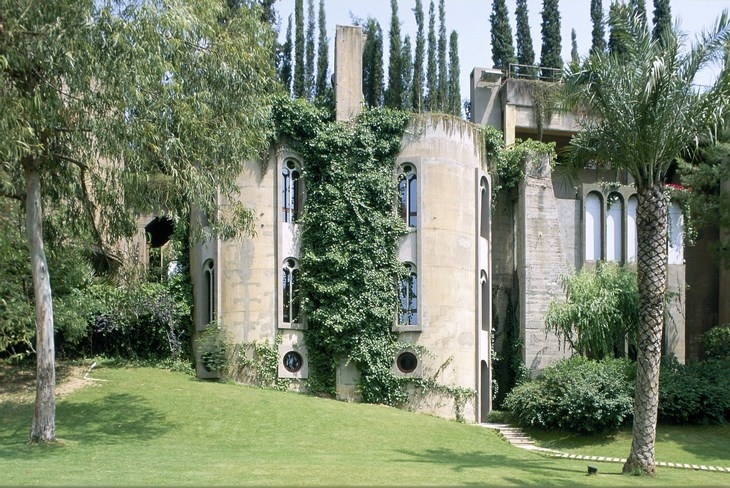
(44, 418)
(651, 221)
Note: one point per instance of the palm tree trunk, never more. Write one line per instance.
(651, 221)
(44, 418)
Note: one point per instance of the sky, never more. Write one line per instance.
(470, 19)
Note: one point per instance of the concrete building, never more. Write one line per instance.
(471, 262)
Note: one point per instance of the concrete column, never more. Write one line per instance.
(724, 288)
(349, 44)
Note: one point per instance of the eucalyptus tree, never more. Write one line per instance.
(110, 111)
(642, 113)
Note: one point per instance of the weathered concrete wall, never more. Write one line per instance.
(446, 152)
(249, 267)
(541, 259)
(486, 103)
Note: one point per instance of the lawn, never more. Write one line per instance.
(151, 426)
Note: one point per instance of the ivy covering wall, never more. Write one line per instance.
(349, 237)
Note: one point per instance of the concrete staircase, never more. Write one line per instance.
(516, 437)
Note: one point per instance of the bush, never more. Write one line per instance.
(576, 394)
(694, 393)
(716, 342)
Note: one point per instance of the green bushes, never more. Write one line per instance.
(600, 311)
(576, 394)
(716, 342)
(694, 393)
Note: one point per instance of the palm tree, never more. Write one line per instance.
(642, 111)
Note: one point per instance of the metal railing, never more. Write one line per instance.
(533, 72)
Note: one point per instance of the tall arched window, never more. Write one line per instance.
(485, 209)
(675, 241)
(407, 187)
(407, 294)
(631, 242)
(291, 191)
(614, 227)
(209, 291)
(485, 292)
(593, 229)
(290, 291)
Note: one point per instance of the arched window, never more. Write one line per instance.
(290, 290)
(593, 230)
(485, 293)
(614, 227)
(485, 209)
(631, 242)
(209, 291)
(291, 191)
(407, 294)
(408, 190)
(675, 241)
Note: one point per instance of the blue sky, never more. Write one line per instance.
(470, 19)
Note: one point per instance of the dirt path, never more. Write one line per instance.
(17, 383)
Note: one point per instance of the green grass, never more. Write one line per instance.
(148, 426)
(708, 445)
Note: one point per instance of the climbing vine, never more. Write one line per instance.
(349, 237)
(508, 162)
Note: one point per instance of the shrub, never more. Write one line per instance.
(576, 394)
(716, 342)
(600, 311)
(694, 393)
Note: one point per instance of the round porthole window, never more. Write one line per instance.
(293, 361)
(407, 362)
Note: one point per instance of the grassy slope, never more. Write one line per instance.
(147, 426)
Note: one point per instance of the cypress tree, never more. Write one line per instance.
(443, 74)
(618, 32)
(372, 65)
(598, 34)
(309, 70)
(417, 81)
(503, 51)
(286, 66)
(394, 92)
(525, 51)
(299, 49)
(322, 55)
(662, 19)
(407, 73)
(551, 42)
(574, 48)
(431, 67)
(454, 92)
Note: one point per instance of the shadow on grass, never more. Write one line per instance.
(112, 419)
(461, 461)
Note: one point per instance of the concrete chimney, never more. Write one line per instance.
(349, 44)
